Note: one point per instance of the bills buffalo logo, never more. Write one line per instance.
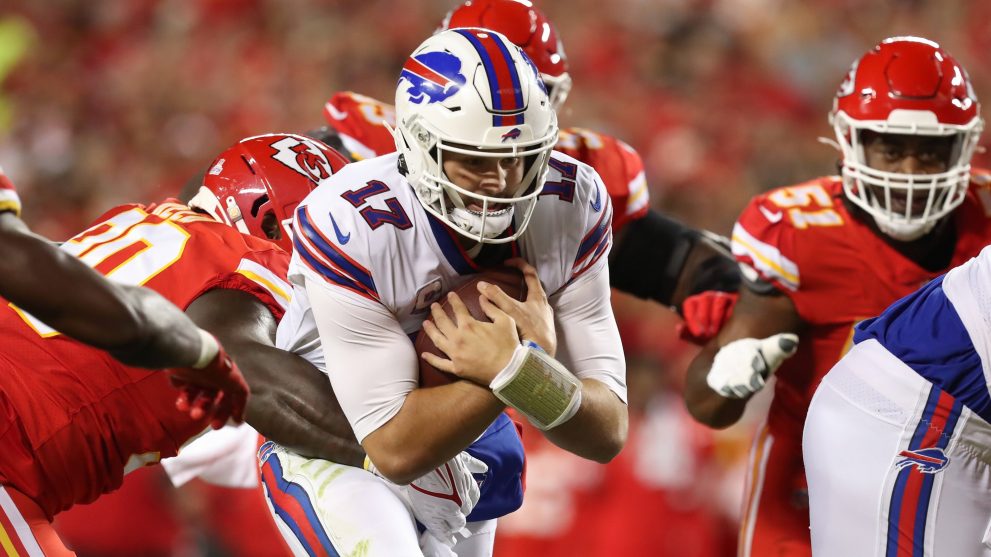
(511, 134)
(927, 461)
(432, 76)
(303, 157)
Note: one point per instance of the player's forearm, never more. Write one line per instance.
(598, 430)
(432, 426)
(165, 337)
(294, 423)
(292, 402)
(67, 295)
(302, 414)
(705, 405)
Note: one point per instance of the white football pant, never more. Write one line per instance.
(328, 509)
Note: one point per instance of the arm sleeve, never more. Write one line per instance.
(588, 338)
(370, 361)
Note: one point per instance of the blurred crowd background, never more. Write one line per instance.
(124, 100)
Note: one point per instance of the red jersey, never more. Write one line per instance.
(619, 166)
(74, 420)
(8, 195)
(836, 271)
(361, 121)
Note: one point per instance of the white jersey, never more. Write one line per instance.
(896, 439)
(365, 245)
(943, 333)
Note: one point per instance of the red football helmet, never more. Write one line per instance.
(906, 86)
(256, 184)
(526, 27)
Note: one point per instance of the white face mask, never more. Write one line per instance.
(874, 190)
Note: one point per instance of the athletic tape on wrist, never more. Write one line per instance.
(538, 386)
(209, 347)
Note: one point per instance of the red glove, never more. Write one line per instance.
(705, 314)
(217, 390)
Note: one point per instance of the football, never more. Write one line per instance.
(509, 279)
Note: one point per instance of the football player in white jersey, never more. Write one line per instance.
(376, 246)
(897, 441)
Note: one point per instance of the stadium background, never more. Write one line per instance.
(123, 100)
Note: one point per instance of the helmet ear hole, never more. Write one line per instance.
(257, 204)
(270, 226)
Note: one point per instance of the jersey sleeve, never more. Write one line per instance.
(215, 256)
(588, 338)
(329, 249)
(620, 167)
(802, 240)
(363, 124)
(9, 201)
(630, 195)
(374, 365)
(763, 241)
(263, 275)
(593, 249)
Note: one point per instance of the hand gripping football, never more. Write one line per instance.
(509, 279)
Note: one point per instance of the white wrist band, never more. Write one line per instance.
(209, 347)
(539, 387)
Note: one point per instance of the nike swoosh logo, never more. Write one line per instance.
(771, 217)
(341, 238)
(597, 202)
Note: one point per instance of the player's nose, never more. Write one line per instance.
(910, 164)
(493, 180)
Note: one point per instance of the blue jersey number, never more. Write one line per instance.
(393, 214)
(565, 189)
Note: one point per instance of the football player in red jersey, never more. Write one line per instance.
(76, 421)
(136, 325)
(653, 256)
(835, 250)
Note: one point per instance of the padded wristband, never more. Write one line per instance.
(539, 387)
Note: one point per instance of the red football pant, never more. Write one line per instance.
(775, 519)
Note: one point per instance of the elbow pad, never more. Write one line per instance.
(649, 259)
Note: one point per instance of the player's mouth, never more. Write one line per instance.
(495, 209)
(900, 202)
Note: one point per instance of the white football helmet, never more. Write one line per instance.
(472, 91)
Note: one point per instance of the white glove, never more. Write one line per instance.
(442, 499)
(742, 367)
(432, 547)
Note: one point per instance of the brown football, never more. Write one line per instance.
(509, 279)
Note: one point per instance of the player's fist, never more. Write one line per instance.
(705, 314)
(742, 367)
(216, 390)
